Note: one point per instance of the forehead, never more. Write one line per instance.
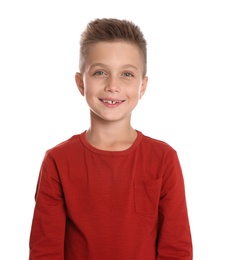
(112, 44)
(118, 52)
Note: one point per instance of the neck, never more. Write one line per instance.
(112, 136)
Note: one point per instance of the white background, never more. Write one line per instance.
(185, 104)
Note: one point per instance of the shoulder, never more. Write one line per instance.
(156, 150)
(67, 147)
(156, 144)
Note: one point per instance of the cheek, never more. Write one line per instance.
(87, 94)
(90, 95)
(139, 92)
(87, 87)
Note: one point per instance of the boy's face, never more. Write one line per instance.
(112, 81)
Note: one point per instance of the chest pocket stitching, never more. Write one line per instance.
(146, 197)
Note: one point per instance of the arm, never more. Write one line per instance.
(48, 225)
(174, 237)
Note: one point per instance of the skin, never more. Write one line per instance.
(112, 84)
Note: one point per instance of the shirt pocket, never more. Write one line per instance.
(146, 196)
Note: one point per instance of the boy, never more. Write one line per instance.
(111, 193)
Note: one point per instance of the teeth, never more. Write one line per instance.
(111, 102)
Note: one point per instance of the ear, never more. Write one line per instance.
(143, 87)
(79, 83)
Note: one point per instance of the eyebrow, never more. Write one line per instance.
(104, 65)
(98, 64)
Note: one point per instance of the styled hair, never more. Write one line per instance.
(111, 30)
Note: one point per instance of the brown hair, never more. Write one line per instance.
(109, 30)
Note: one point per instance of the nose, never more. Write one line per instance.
(112, 84)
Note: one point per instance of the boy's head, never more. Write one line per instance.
(111, 30)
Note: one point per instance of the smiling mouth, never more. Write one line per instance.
(112, 102)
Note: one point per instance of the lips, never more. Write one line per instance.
(112, 103)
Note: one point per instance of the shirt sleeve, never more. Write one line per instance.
(174, 237)
(48, 224)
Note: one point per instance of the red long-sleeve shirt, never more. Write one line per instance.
(110, 205)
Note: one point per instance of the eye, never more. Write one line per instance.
(128, 74)
(99, 73)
